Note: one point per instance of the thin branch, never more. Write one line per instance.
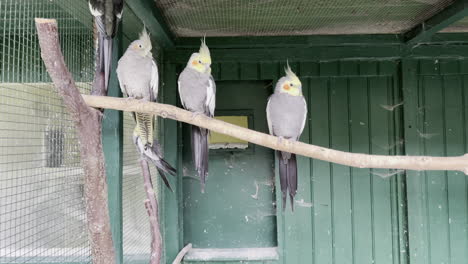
(151, 205)
(88, 125)
(182, 254)
(458, 163)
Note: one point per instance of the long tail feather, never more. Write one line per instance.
(292, 179)
(288, 176)
(155, 157)
(200, 153)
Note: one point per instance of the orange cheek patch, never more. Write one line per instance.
(286, 87)
(194, 63)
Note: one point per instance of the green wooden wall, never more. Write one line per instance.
(436, 124)
(383, 100)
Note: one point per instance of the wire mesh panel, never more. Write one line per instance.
(295, 17)
(42, 216)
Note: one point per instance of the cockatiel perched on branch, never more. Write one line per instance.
(286, 116)
(107, 15)
(197, 91)
(138, 78)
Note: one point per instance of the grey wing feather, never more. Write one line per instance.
(270, 128)
(304, 117)
(180, 94)
(211, 96)
(154, 82)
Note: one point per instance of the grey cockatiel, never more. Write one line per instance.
(138, 78)
(107, 15)
(286, 116)
(197, 91)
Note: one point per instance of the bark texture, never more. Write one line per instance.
(458, 163)
(151, 205)
(88, 126)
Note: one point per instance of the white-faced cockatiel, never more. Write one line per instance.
(197, 91)
(286, 116)
(138, 78)
(107, 15)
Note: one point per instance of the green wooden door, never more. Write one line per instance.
(237, 209)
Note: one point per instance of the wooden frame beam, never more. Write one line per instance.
(451, 14)
(147, 12)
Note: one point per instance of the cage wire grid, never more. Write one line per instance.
(42, 213)
(193, 18)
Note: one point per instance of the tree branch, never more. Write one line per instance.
(182, 254)
(88, 125)
(151, 205)
(459, 163)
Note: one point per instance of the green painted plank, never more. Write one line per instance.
(361, 180)
(417, 236)
(421, 32)
(329, 68)
(268, 70)
(229, 71)
(249, 71)
(147, 12)
(298, 224)
(170, 216)
(367, 67)
(388, 67)
(349, 68)
(382, 142)
(282, 54)
(455, 127)
(436, 181)
(321, 192)
(449, 66)
(216, 70)
(112, 141)
(340, 179)
(429, 66)
(308, 69)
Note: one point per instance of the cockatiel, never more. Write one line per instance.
(138, 78)
(107, 15)
(197, 91)
(286, 116)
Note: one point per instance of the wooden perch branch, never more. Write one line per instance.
(459, 163)
(88, 124)
(182, 254)
(151, 205)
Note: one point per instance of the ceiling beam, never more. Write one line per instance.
(451, 14)
(147, 12)
(289, 41)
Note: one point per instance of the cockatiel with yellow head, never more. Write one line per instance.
(286, 116)
(138, 78)
(197, 91)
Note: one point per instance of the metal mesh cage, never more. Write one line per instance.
(42, 217)
(42, 213)
(295, 17)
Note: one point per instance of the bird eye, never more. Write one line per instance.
(291, 84)
(139, 45)
(199, 61)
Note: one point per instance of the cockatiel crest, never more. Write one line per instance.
(143, 45)
(201, 60)
(290, 83)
